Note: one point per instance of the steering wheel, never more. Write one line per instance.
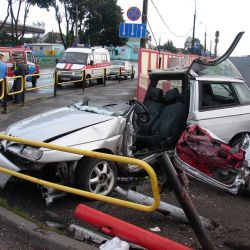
(140, 110)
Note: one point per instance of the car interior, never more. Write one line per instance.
(164, 125)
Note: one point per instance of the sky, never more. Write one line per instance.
(227, 16)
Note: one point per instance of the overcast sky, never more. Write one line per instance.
(227, 16)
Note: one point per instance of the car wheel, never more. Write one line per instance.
(237, 141)
(125, 77)
(100, 81)
(96, 176)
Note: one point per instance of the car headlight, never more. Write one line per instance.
(33, 153)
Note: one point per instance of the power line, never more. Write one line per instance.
(170, 30)
(152, 33)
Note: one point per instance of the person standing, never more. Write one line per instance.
(20, 69)
(3, 72)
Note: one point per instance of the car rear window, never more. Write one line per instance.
(243, 92)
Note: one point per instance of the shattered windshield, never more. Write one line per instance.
(111, 110)
(225, 68)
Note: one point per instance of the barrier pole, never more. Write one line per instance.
(84, 79)
(185, 202)
(5, 95)
(120, 74)
(116, 158)
(23, 83)
(104, 78)
(55, 83)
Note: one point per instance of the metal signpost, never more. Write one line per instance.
(136, 30)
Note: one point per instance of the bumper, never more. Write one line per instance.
(4, 162)
(65, 78)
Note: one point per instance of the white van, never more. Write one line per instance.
(75, 60)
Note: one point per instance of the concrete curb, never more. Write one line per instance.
(31, 233)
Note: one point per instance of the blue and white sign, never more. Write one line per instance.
(136, 30)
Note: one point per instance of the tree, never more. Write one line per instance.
(102, 24)
(4, 21)
(14, 10)
(51, 37)
(169, 46)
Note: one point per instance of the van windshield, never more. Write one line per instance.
(75, 57)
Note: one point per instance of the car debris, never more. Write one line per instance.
(115, 244)
(205, 157)
(164, 208)
(51, 194)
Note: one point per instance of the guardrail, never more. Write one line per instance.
(93, 154)
(84, 76)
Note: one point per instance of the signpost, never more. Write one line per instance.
(133, 13)
(136, 30)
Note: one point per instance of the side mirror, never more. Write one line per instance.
(91, 62)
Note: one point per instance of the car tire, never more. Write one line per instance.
(96, 176)
(100, 81)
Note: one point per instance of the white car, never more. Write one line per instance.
(122, 68)
(211, 94)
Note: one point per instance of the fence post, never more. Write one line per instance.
(55, 83)
(120, 74)
(23, 79)
(5, 95)
(104, 78)
(84, 79)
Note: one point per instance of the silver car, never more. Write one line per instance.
(209, 93)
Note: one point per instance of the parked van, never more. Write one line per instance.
(75, 60)
(10, 56)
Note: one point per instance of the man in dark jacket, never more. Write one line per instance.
(20, 69)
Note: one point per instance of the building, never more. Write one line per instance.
(127, 52)
(47, 49)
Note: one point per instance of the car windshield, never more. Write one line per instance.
(111, 110)
(75, 57)
(225, 68)
(118, 63)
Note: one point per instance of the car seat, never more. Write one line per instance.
(154, 104)
(167, 128)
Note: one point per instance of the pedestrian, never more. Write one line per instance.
(3, 67)
(20, 69)
(3, 72)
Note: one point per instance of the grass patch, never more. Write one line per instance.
(40, 225)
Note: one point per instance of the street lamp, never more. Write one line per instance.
(76, 21)
(194, 26)
(205, 38)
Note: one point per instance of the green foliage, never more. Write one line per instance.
(52, 37)
(169, 46)
(102, 24)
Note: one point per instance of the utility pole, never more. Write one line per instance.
(217, 33)
(194, 27)
(144, 19)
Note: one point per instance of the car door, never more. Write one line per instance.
(223, 108)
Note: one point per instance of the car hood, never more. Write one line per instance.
(58, 122)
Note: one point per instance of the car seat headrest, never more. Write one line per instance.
(171, 95)
(155, 94)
